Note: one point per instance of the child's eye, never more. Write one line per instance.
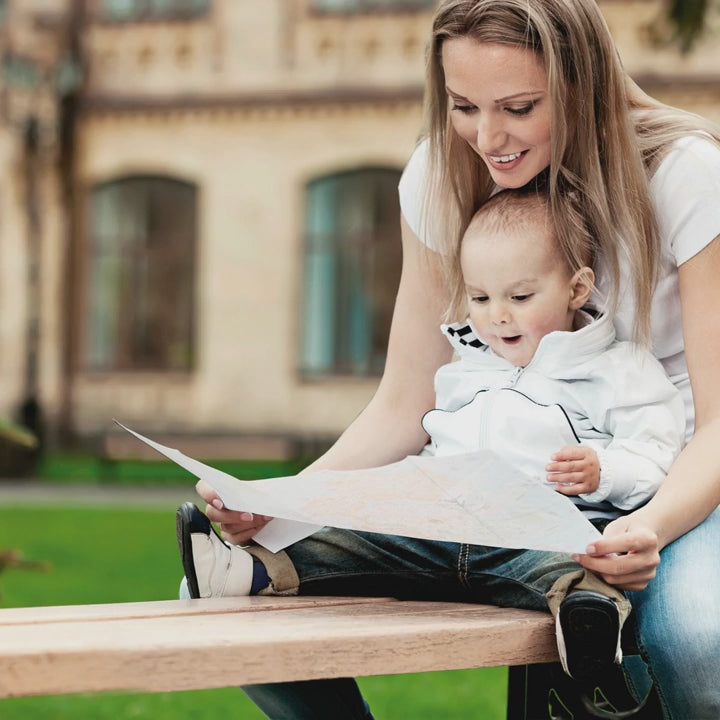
(522, 298)
(479, 298)
(467, 109)
(524, 110)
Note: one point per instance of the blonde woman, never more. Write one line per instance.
(517, 89)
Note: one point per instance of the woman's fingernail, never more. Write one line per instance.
(575, 557)
(591, 549)
(246, 516)
(217, 503)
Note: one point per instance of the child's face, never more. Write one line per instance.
(518, 291)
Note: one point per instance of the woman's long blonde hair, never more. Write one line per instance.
(603, 150)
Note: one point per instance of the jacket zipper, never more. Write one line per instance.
(514, 377)
(483, 430)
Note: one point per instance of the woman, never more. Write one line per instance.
(515, 89)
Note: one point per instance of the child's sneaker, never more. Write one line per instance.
(212, 567)
(588, 628)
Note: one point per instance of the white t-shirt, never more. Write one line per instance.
(685, 193)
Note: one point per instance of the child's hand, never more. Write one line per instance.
(574, 470)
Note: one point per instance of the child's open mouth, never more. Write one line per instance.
(512, 340)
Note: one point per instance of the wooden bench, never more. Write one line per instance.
(194, 644)
(197, 644)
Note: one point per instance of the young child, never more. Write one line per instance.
(540, 382)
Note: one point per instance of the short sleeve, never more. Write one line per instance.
(686, 196)
(412, 189)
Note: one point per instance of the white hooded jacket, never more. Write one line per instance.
(580, 387)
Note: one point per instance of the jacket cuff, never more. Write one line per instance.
(606, 479)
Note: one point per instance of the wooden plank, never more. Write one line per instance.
(218, 649)
(160, 608)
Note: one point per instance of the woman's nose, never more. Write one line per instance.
(490, 134)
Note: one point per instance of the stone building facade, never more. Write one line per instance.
(198, 219)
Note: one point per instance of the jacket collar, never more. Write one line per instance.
(556, 348)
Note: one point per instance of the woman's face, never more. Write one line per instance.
(500, 106)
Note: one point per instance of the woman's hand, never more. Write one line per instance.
(626, 556)
(236, 526)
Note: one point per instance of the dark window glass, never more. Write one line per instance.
(352, 269)
(369, 5)
(140, 268)
(20, 71)
(127, 10)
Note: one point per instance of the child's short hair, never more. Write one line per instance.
(518, 208)
(513, 209)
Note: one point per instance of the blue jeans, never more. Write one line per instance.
(678, 625)
(677, 622)
(345, 562)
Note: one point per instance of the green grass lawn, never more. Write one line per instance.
(129, 555)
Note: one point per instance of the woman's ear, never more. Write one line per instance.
(581, 286)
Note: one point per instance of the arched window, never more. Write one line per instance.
(140, 275)
(352, 269)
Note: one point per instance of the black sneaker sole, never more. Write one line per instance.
(591, 625)
(189, 519)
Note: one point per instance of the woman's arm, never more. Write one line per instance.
(389, 428)
(691, 490)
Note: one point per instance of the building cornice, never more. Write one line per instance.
(119, 103)
(96, 103)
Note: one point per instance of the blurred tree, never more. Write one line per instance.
(683, 22)
(18, 447)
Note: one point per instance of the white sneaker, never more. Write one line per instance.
(212, 567)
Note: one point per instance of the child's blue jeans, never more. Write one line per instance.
(346, 562)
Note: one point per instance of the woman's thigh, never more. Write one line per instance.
(678, 622)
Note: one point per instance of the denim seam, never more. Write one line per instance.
(463, 564)
(349, 574)
(648, 666)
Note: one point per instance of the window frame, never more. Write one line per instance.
(84, 361)
(339, 345)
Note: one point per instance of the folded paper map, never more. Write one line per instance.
(475, 498)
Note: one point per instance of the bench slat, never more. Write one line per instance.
(233, 642)
(160, 608)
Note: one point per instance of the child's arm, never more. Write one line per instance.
(575, 469)
(643, 413)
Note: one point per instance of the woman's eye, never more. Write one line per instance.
(524, 110)
(467, 109)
